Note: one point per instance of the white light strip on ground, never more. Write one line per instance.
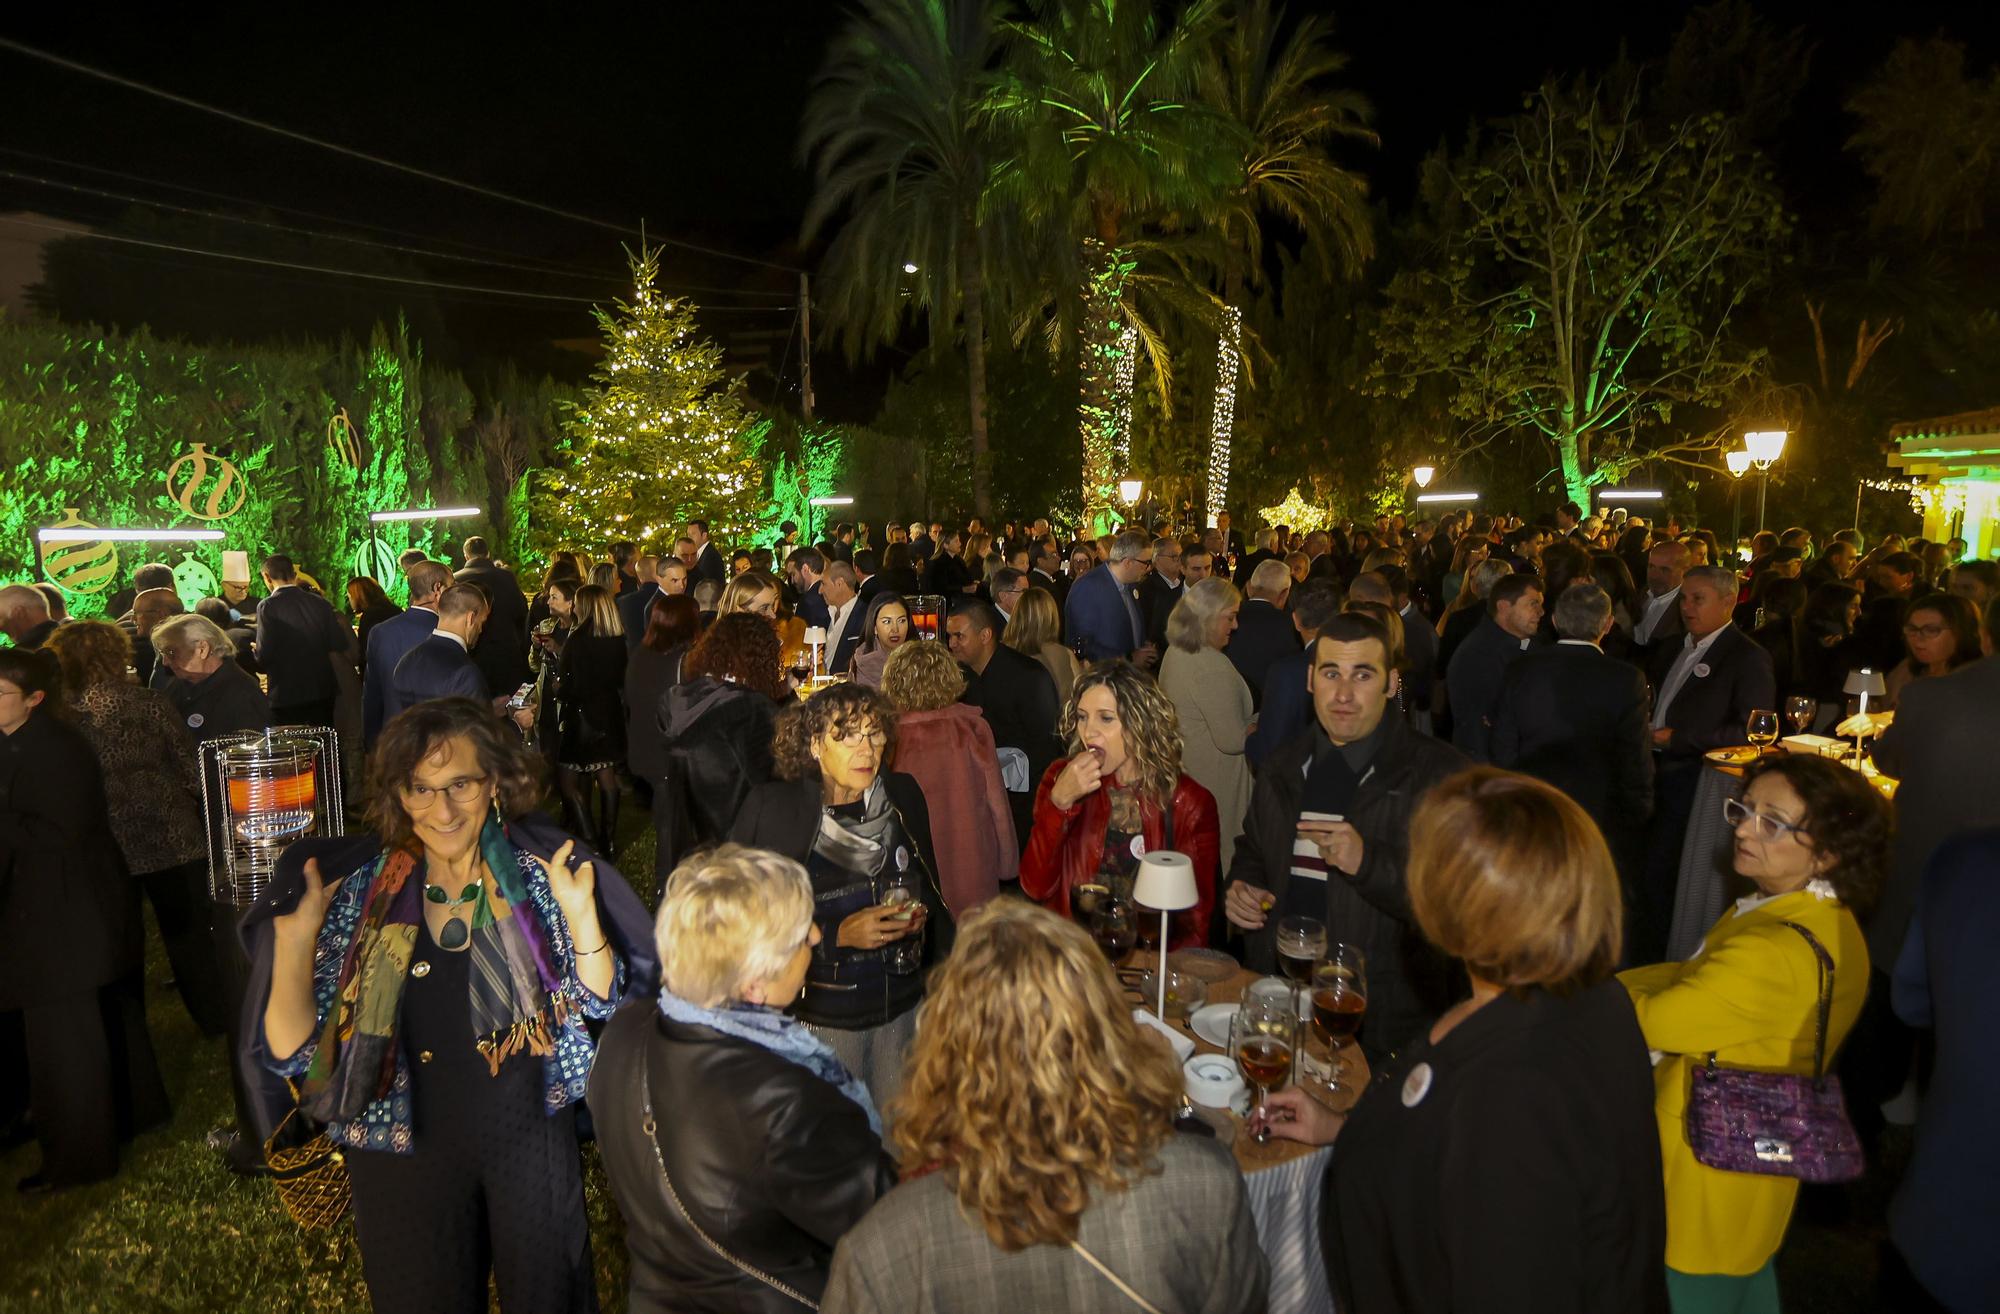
(1447, 497)
(426, 513)
(81, 534)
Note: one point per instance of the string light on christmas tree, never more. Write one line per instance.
(1228, 357)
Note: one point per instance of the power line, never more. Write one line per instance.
(249, 122)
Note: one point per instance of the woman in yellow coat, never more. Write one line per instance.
(1812, 836)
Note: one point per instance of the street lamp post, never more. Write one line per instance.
(1764, 449)
(1739, 465)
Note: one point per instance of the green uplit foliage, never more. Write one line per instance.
(1587, 271)
(95, 422)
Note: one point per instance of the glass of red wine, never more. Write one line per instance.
(1340, 1002)
(1114, 929)
(1263, 1036)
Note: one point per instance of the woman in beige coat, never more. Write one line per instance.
(1213, 701)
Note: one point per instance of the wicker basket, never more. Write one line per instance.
(311, 1178)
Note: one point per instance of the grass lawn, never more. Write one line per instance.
(176, 1231)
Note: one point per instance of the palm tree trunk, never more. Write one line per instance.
(1098, 403)
(1222, 429)
(973, 289)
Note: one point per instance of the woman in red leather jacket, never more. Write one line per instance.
(1120, 795)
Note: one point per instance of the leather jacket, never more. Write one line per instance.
(771, 1162)
(1066, 847)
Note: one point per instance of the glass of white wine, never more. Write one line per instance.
(1762, 727)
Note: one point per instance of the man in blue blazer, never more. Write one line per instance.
(441, 666)
(393, 638)
(1100, 616)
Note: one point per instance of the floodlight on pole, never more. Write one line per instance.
(1129, 490)
(1765, 447)
(1423, 474)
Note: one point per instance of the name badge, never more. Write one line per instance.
(1416, 1085)
(195, 720)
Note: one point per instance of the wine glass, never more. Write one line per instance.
(1340, 1002)
(1762, 727)
(1113, 928)
(1301, 941)
(1263, 1033)
(1801, 708)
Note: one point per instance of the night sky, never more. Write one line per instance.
(686, 116)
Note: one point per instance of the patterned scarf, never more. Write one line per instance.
(514, 993)
(782, 1034)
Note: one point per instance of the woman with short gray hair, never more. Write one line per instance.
(1211, 698)
(772, 1149)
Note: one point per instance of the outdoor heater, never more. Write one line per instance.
(260, 790)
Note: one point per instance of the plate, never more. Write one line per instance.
(1212, 1023)
(1743, 756)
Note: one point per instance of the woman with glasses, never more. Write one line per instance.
(1940, 634)
(1812, 836)
(427, 987)
(864, 836)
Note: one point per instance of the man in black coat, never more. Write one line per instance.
(1162, 590)
(1267, 550)
(1328, 833)
(1513, 616)
(390, 641)
(299, 637)
(1015, 694)
(1577, 719)
(441, 666)
(502, 651)
(1045, 570)
(635, 605)
(1287, 708)
(708, 563)
(1264, 633)
(1703, 694)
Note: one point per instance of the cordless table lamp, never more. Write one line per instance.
(1166, 882)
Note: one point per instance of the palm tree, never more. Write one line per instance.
(1096, 102)
(1290, 116)
(891, 127)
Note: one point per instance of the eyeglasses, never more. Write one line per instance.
(416, 798)
(856, 738)
(1922, 631)
(1764, 826)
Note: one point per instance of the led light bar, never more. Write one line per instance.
(426, 513)
(1447, 497)
(833, 501)
(1629, 494)
(82, 534)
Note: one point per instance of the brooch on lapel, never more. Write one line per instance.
(1701, 670)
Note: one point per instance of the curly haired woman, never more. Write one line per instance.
(1040, 1169)
(1122, 794)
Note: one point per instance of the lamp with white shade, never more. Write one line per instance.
(1166, 882)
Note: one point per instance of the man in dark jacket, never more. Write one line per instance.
(1015, 694)
(502, 651)
(708, 563)
(390, 641)
(1328, 833)
(299, 637)
(1513, 616)
(442, 666)
(1264, 633)
(1287, 707)
(1577, 719)
(635, 605)
(1162, 590)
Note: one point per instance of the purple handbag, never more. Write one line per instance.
(1777, 1123)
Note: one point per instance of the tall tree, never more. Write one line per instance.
(1291, 114)
(1930, 137)
(1589, 268)
(890, 127)
(659, 436)
(1096, 102)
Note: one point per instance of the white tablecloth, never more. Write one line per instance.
(1284, 1199)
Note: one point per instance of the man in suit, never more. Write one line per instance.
(1703, 693)
(1267, 550)
(1513, 615)
(502, 652)
(1015, 694)
(707, 562)
(1287, 708)
(393, 638)
(804, 570)
(149, 608)
(1420, 646)
(622, 572)
(840, 590)
(441, 666)
(635, 605)
(1231, 540)
(24, 616)
(299, 637)
(1161, 591)
(1045, 570)
(1575, 718)
(1264, 633)
(1658, 625)
(1007, 586)
(1101, 617)
(1198, 564)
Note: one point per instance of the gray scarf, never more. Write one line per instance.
(861, 847)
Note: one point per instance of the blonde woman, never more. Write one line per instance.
(1121, 794)
(752, 591)
(1090, 1201)
(769, 1142)
(1036, 629)
(948, 747)
(1212, 700)
(590, 716)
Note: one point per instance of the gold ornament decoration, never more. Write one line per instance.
(212, 488)
(79, 566)
(341, 438)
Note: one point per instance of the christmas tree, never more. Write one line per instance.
(657, 439)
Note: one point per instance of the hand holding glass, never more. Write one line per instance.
(1262, 1037)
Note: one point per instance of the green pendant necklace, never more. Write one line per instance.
(455, 932)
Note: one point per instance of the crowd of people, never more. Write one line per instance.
(871, 1059)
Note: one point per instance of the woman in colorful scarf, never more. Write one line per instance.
(427, 987)
(739, 1148)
